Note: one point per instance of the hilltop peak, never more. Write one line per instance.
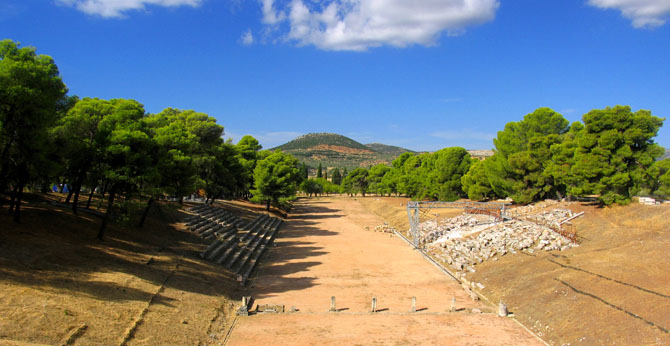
(335, 150)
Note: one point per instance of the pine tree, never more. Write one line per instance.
(319, 172)
(337, 177)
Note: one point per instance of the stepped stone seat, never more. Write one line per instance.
(210, 248)
(211, 230)
(251, 249)
(252, 264)
(195, 219)
(191, 218)
(209, 212)
(232, 249)
(255, 222)
(217, 251)
(226, 230)
(228, 243)
(208, 224)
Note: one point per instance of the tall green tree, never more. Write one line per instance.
(32, 97)
(657, 179)
(475, 183)
(81, 142)
(356, 181)
(319, 171)
(451, 164)
(375, 178)
(276, 177)
(127, 152)
(614, 151)
(336, 176)
(304, 171)
(248, 147)
(311, 187)
(188, 144)
(522, 153)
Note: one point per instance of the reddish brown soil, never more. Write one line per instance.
(341, 149)
(614, 289)
(324, 250)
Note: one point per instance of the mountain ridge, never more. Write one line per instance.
(335, 150)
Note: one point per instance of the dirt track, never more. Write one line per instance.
(324, 250)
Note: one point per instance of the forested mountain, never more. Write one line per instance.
(388, 149)
(333, 150)
(666, 155)
(312, 140)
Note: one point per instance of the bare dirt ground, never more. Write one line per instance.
(614, 289)
(324, 250)
(59, 285)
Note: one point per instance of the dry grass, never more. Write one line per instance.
(58, 283)
(612, 289)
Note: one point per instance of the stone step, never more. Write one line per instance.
(250, 249)
(252, 264)
(230, 251)
(210, 248)
(217, 251)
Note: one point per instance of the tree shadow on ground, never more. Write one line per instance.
(292, 256)
(57, 250)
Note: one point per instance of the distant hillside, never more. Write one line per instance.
(388, 149)
(666, 155)
(311, 140)
(333, 150)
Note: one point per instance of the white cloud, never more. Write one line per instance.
(643, 13)
(118, 8)
(361, 24)
(247, 38)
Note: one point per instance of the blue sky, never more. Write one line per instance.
(422, 74)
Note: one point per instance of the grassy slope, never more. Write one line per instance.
(619, 270)
(56, 277)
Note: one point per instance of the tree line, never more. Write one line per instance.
(611, 155)
(117, 148)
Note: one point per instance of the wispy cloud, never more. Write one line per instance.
(8, 11)
(451, 99)
(643, 13)
(118, 8)
(357, 25)
(247, 38)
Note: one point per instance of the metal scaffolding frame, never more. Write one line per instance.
(495, 209)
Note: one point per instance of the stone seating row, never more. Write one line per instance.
(241, 254)
(211, 222)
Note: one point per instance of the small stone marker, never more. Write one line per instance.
(502, 309)
(374, 305)
(243, 310)
(332, 304)
(453, 304)
(413, 304)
